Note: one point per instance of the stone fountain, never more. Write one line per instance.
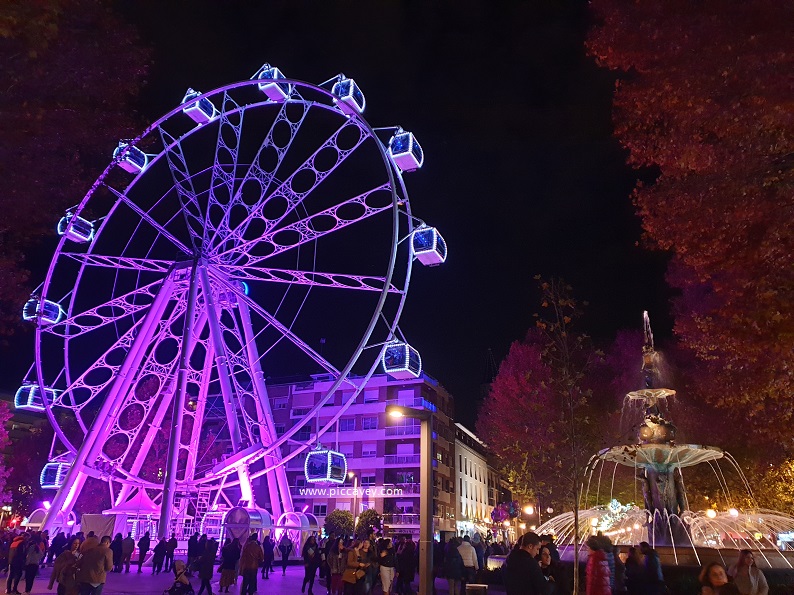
(665, 520)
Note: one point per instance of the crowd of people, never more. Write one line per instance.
(641, 574)
(353, 567)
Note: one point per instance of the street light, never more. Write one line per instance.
(425, 494)
(354, 477)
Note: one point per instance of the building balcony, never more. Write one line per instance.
(401, 459)
(401, 520)
(403, 430)
(407, 489)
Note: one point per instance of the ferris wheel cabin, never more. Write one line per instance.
(327, 466)
(349, 97)
(270, 75)
(30, 397)
(134, 160)
(48, 312)
(76, 228)
(428, 246)
(53, 474)
(200, 111)
(405, 151)
(401, 361)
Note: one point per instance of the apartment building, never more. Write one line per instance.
(383, 453)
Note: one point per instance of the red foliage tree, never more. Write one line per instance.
(70, 68)
(541, 418)
(702, 95)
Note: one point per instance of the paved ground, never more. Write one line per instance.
(147, 584)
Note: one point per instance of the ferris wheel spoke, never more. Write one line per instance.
(311, 278)
(281, 328)
(224, 169)
(109, 312)
(124, 354)
(286, 189)
(146, 265)
(156, 225)
(304, 230)
(183, 182)
(260, 169)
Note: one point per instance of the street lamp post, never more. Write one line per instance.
(425, 494)
(354, 477)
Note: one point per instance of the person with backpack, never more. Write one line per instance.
(16, 562)
(33, 558)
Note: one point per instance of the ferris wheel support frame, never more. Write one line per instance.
(178, 404)
(75, 477)
(267, 426)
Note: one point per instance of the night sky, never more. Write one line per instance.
(521, 174)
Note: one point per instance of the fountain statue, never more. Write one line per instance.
(665, 519)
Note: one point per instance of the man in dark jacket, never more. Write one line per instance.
(170, 547)
(522, 573)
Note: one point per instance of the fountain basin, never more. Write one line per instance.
(661, 457)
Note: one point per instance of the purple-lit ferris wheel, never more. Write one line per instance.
(261, 229)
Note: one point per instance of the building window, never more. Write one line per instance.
(300, 482)
(280, 430)
(320, 509)
(304, 433)
(347, 424)
(371, 395)
(369, 449)
(347, 450)
(368, 479)
(369, 423)
(280, 404)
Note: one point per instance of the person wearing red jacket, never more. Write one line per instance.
(597, 568)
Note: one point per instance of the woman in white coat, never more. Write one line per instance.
(746, 575)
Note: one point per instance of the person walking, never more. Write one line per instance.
(117, 548)
(406, 566)
(311, 562)
(170, 548)
(635, 572)
(388, 564)
(250, 559)
(16, 562)
(653, 570)
(33, 558)
(268, 548)
(453, 565)
(337, 560)
(597, 569)
(521, 571)
(470, 565)
(143, 548)
(92, 568)
(285, 549)
(206, 566)
(127, 547)
(63, 569)
(230, 555)
(56, 547)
